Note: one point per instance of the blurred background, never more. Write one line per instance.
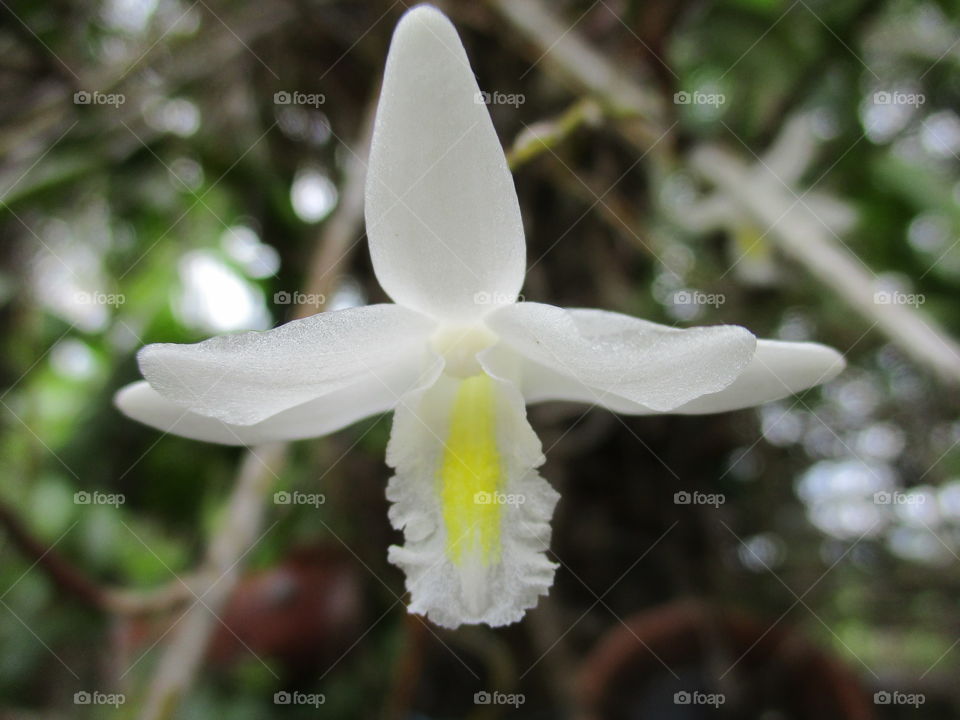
(174, 169)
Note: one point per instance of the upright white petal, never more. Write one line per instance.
(474, 512)
(442, 213)
(246, 378)
(607, 357)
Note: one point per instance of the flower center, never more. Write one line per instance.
(459, 346)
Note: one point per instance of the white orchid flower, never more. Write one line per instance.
(456, 357)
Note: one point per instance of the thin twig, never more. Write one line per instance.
(803, 238)
(243, 519)
(547, 134)
(561, 49)
(74, 582)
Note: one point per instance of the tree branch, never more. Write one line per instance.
(240, 528)
(798, 235)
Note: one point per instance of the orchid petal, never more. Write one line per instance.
(442, 214)
(246, 378)
(608, 354)
(474, 512)
(315, 418)
(778, 369)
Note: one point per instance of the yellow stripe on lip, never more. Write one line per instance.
(470, 474)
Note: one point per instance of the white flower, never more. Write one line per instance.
(456, 358)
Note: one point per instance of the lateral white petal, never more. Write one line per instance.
(246, 378)
(454, 586)
(442, 214)
(778, 369)
(314, 418)
(606, 353)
